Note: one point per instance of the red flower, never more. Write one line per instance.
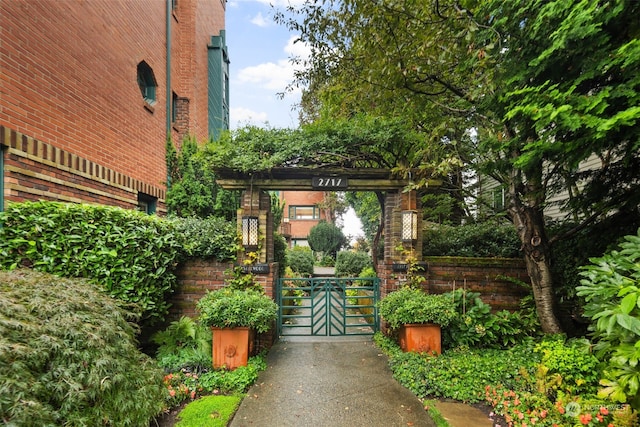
(585, 419)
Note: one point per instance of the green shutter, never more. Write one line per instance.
(218, 85)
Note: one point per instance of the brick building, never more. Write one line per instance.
(91, 90)
(302, 210)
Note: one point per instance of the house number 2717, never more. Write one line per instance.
(329, 182)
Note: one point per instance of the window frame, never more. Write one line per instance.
(147, 83)
(293, 214)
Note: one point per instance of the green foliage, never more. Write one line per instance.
(368, 272)
(185, 384)
(228, 308)
(436, 416)
(193, 190)
(367, 208)
(68, 356)
(570, 253)
(566, 367)
(217, 410)
(559, 389)
(350, 264)
(211, 237)
(132, 255)
(183, 344)
(361, 141)
(236, 381)
(528, 408)
(407, 305)
(326, 238)
(300, 260)
(476, 326)
(238, 279)
(472, 240)
(611, 289)
(280, 252)
(460, 374)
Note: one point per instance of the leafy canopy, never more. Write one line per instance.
(361, 142)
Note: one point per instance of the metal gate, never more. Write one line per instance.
(328, 306)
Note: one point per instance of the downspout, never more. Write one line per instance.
(168, 81)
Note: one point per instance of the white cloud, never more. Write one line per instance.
(296, 48)
(242, 116)
(274, 76)
(282, 3)
(260, 20)
(275, 3)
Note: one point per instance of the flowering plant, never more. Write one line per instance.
(524, 409)
(180, 387)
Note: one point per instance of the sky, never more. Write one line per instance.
(260, 68)
(259, 52)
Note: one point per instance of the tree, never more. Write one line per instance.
(193, 190)
(326, 238)
(524, 91)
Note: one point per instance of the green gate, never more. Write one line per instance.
(328, 306)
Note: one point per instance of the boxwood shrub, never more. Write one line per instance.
(350, 264)
(300, 259)
(68, 356)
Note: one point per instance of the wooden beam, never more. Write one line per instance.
(301, 179)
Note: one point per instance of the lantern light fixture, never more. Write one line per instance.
(409, 226)
(250, 227)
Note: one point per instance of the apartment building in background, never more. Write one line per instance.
(91, 90)
(302, 210)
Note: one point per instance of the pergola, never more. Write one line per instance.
(402, 209)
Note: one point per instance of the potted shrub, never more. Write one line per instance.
(418, 316)
(234, 315)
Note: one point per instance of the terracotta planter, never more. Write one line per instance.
(231, 347)
(421, 338)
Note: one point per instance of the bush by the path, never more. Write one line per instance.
(300, 260)
(351, 264)
(68, 356)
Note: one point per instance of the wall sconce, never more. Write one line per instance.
(250, 227)
(409, 226)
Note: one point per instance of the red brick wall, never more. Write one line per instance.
(69, 80)
(299, 228)
(38, 171)
(493, 278)
(197, 276)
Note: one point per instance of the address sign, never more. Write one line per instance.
(329, 182)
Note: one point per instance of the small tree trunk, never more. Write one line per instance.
(529, 222)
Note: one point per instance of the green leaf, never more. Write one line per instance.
(628, 322)
(628, 303)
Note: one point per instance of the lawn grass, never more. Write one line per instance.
(209, 411)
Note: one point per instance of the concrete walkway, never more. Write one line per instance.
(332, 383)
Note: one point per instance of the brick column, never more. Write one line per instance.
(395, 250)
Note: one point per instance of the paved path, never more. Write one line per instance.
(334, 383)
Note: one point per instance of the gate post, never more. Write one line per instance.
(256, 202)
(398, 253)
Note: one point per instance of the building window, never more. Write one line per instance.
(304, 212)
(498, 199)
(174, 108)
(147, 203)
(147, 83)
(300, 242)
